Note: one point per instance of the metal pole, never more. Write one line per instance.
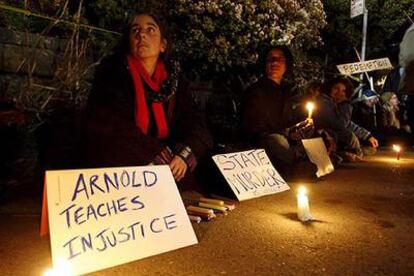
(363, 50)
(364, 33)
(364, 41)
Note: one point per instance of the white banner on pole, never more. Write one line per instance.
(364, 66)
(357, 8)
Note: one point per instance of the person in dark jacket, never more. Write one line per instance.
(334, 115)
(263, 106)
(363, 111)
(139, 112)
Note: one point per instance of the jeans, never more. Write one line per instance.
(353, 146)
(280, 152)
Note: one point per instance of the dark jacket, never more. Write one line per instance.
(110, 135)
(263, 108)
(363, 115)
(337, 120)
(328, 117)
(345, 112)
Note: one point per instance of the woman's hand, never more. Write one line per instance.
(373, 141)
(309, 122)
(178, 167)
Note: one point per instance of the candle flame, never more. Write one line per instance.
(62, 268)
(302, 190)
(310, 106)
(396, 148)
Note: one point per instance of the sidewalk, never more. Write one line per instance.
(364, 218)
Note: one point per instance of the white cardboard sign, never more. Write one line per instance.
(357, 8)
(318, 155)
(364, 66)
(250, 174)
(100, 218)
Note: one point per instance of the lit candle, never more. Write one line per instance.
(62, 268)
(397, 148)
(303, 205)
(310, 106)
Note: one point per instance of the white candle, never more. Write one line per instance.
(303, 205)
(310, 106)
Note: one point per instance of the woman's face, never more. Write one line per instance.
(338, 92)
(145, 38)
(394, 102)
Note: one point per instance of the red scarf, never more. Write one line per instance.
(139, 73)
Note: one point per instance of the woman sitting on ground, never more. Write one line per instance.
(334, 115)
(139, 112)
(393, 130)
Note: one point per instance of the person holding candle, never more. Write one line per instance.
(139, 111)
(263, 116)
(297, 110)
(296, 107)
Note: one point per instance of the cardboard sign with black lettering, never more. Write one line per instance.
(100, 218)
(250, 174)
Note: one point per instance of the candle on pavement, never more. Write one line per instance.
(303, 205)
(397, 148)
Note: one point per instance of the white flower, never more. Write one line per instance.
(224, 33)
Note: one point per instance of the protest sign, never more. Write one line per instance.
(364, 66)
(318, 155)
(357, 8)
(250, 174)
(100, 218)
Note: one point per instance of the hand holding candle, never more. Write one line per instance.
(310, 107)
(397, 148)
(303, 205)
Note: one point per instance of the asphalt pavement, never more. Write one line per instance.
(363, 225)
